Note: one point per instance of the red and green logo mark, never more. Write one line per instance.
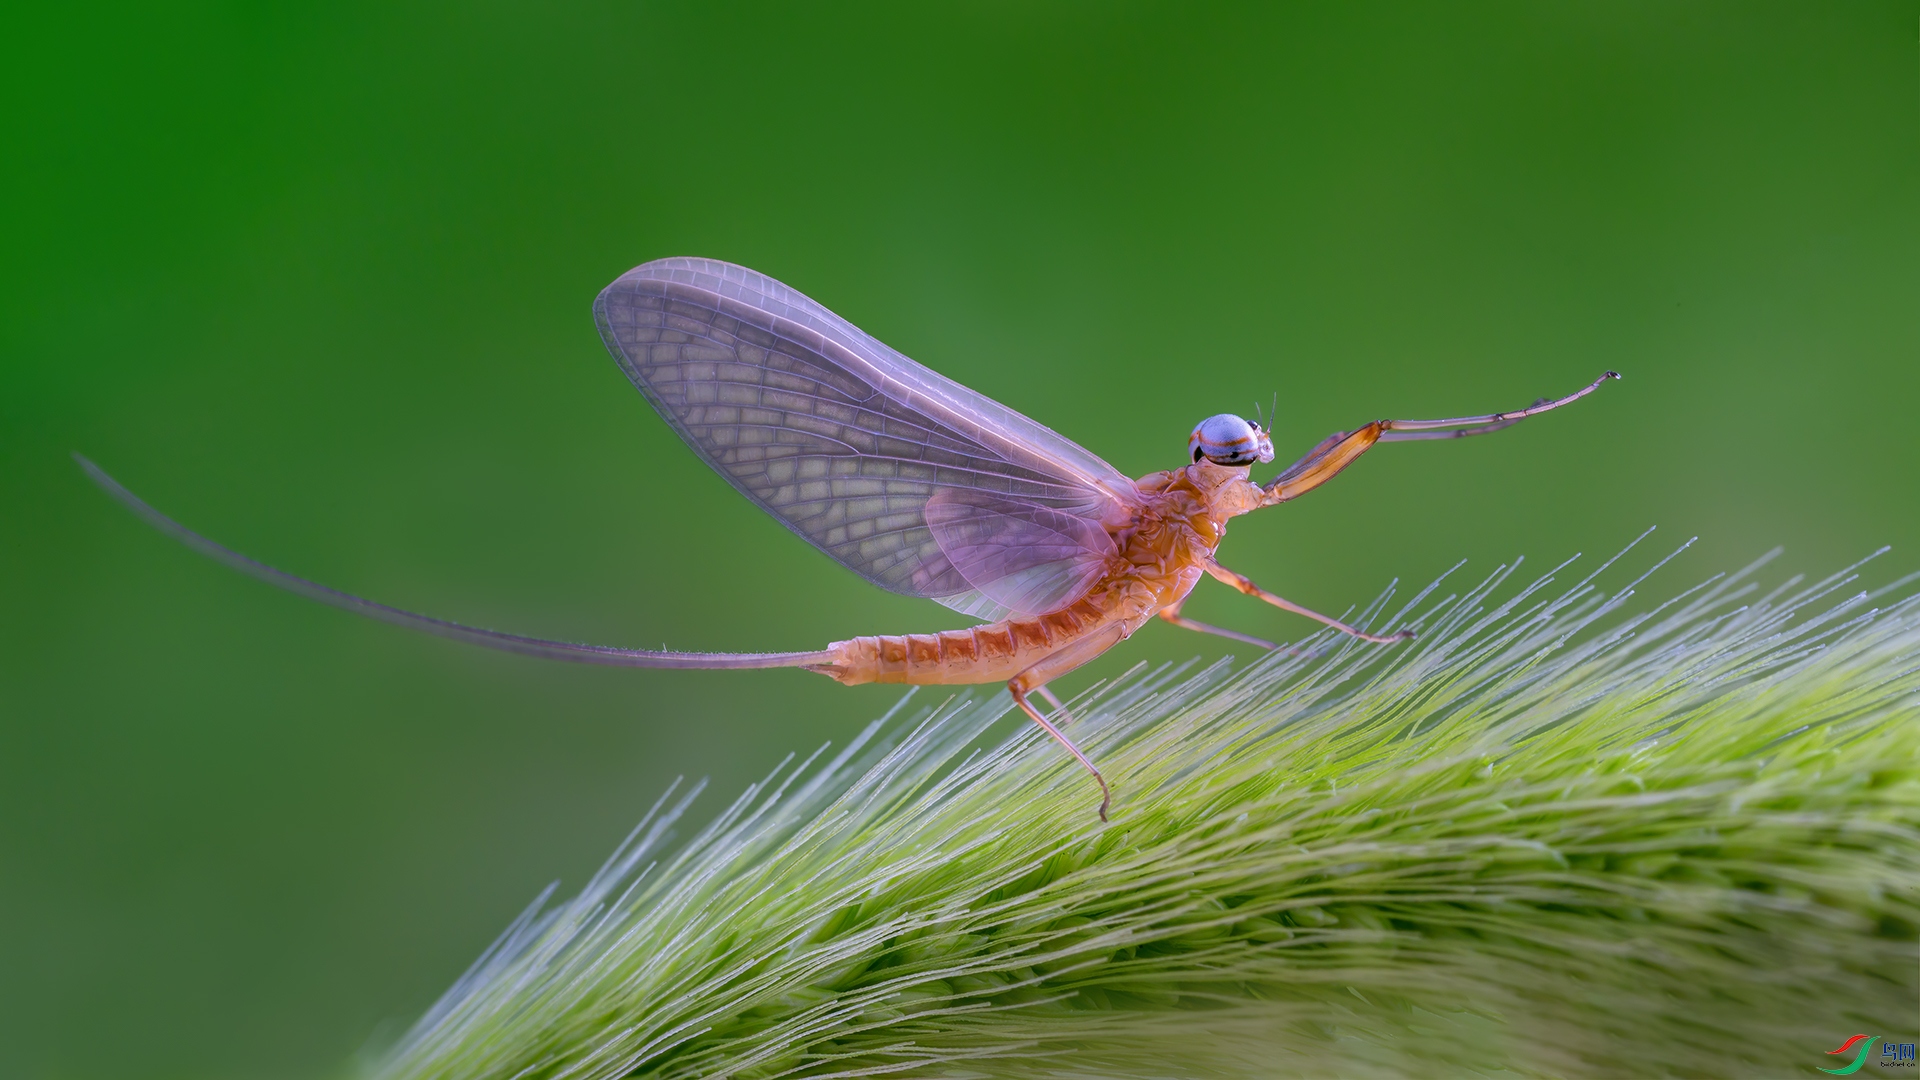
(1897, 1054)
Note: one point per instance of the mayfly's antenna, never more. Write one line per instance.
(473, 635)
(1273, 413)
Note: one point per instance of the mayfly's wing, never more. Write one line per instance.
(902, 475)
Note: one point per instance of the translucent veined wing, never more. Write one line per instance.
(902, 475)
(1020, 555)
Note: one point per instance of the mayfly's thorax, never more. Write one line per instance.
(1184, 514)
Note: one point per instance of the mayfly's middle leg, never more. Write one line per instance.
(1245, 584)
(1035, 679)
(1171, 613)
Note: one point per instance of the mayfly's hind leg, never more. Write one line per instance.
(1020, 699)
(1053, 702)
(1171, 613)
(1035, 679)
(1343, 448)
(1245, 584)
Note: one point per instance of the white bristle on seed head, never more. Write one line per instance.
(1561, 810)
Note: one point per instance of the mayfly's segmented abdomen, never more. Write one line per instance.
(995, 652)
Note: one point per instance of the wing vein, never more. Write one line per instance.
(857, 448)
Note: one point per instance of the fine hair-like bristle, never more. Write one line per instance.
(1564, 832)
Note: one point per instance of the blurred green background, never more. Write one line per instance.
(317, 281)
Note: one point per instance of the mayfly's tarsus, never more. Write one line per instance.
(922, 487)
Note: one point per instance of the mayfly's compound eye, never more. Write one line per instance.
(1229, 440)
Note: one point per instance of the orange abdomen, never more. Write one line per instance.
(995, 652)
(1158, 570)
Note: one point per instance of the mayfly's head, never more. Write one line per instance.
(1230, 440)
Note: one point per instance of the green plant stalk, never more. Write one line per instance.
(1547, 837)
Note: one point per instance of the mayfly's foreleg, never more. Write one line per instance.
(1171, 613)
(1246, 585)
(1035, 679)
(1342, 448)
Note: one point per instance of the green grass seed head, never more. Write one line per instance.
(1549, 836)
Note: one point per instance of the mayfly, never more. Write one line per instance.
(923, 487)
